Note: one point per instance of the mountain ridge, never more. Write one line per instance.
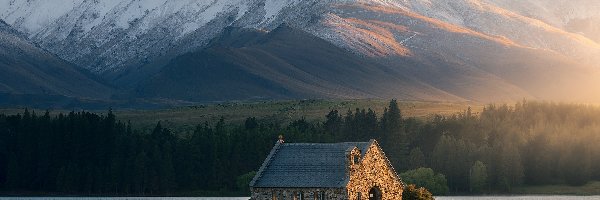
(475, 50)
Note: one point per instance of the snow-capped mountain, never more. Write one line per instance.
(542, 24)
(581, 17)
(485, 50)
(108, 36)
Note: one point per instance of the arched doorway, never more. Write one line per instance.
(375, 193)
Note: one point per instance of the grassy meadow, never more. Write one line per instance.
(184, 119)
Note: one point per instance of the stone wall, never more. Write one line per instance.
(372, 170)
(288, 193)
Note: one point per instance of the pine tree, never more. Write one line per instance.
(416, 158)
(333, 123)
(13, 179)
(393, 136)
(478, 177)
(509, 168)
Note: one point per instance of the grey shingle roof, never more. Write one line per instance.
(306, 165)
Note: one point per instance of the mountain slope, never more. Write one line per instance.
(284, 63)
(29, 70)
(480, 50)
(458, 60)
(108, 37)
(531, 23)
(581, 17)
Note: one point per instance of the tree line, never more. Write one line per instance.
(501, 148)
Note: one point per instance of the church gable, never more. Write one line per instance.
(372, 176)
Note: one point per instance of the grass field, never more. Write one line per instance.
(186, 118)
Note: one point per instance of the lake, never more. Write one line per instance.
(246, 198)
(520, 198)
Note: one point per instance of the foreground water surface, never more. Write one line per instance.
(520, 198)
(246, 198)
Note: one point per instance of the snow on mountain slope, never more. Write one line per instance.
(34, 16)
(554, 12)
(453, 58)
(106, 36)
(470, 48)
(31, 16)
(514, 20)
(581, 16)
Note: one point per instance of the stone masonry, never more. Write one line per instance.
(373, 170)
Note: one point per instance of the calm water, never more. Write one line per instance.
(246, 198)
(521, 198)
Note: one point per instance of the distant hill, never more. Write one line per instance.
(29, 73)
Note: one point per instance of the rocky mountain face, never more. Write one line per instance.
(480, 50)
(108, 37)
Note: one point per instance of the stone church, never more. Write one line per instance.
(326, 171)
